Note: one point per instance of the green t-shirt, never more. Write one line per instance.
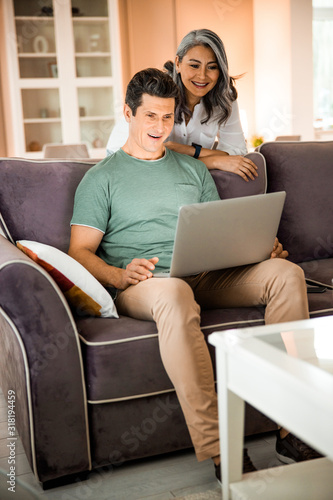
(135, 203)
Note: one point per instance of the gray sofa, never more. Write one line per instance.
(92, 392)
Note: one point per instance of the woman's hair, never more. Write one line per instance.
(153, 82)
(224, 92)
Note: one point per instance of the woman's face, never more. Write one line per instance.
(199, 72)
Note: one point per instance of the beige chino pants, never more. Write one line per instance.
(175, 306)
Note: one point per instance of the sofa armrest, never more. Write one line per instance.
(41, 361)
(230, 185)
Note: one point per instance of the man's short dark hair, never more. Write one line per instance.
(153, 82)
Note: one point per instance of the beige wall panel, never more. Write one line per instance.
(2, 125)
(3, 144)
(124, 43)
(272, 67)
(151, 30)
(283, 68)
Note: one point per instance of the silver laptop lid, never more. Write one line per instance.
(226, 233)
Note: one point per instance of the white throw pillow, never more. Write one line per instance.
(80, 287)
(4, 230)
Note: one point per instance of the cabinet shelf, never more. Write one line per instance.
(92, 54)
(43, 19)
(76, 19)
(33, 55)
(96, 118)
(42, 120)
(90, 19)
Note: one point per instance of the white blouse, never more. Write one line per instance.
(229, 135)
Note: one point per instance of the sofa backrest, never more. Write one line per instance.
(305, 171)
(36, 198)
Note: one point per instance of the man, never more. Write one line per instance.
(123, 228)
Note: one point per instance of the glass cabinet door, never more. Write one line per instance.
(96, 115)
(41, 116)
(62, 60)
(35, 39)
(93, 63)
(37, 61)
(91, 38)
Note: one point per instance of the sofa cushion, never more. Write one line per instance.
(319, 271)
(114, 352)
(79, 286)
(305, 171)
(230, 185)
(45, 213)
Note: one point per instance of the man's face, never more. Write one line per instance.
(149, 128)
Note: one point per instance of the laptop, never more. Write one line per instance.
(225, 233)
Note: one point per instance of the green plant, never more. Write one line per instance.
(256, 140)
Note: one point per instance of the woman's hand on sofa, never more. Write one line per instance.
(214, 159)
(278, 252)
(236, 164)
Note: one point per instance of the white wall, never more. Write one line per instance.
(283, 68)
(302, 68)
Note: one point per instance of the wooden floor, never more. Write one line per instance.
(169, 476)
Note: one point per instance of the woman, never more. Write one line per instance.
(207, 124)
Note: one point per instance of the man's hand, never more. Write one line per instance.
(278, 252)
(83, 246)
(136, 271)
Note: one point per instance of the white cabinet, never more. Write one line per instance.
(61, 75)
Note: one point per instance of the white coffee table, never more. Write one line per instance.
(286, 372)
